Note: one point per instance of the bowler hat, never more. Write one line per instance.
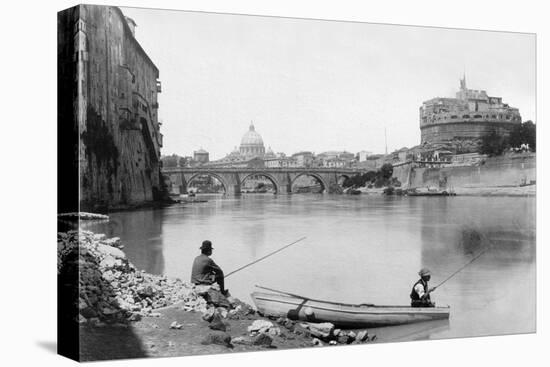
(424, 271)
(206, 245)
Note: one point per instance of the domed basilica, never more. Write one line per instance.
(251, 149)
(252, 144)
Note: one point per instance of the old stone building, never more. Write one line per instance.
(466, 118)
(108, 89)
(201, 156)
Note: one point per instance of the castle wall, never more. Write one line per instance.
(119, 138)
(496, 171)
(463, 130)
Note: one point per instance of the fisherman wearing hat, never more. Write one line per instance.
(205, 270)
(420, 294)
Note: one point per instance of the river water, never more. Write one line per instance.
(359, 249)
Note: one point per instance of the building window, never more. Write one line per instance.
(465, 116)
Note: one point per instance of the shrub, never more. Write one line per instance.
(492, 144)
(524, 133)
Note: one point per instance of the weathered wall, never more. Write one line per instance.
(118, 126)
(464, 130)
(68, 39)
(498, 171)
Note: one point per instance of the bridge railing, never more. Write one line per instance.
(271, 169)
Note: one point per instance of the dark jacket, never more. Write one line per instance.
(415, 296)
(205, 270)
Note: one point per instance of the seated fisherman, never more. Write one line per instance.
(420, 294)
(205, 270)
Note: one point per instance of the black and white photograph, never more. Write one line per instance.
(233, 183)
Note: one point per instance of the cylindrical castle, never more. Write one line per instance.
(469, 116)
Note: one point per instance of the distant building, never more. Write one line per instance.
(303, 159)
(280, 162)
(335, 163)
(400, 155)
(469, 116)
(170, 161)
(201, 156)
(363, 155)
(332, 154)
(269, 154)
(241, 163)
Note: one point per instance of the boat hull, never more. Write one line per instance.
(344, 315)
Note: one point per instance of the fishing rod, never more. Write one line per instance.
(264, 257)
(305, 298)
(462, 268)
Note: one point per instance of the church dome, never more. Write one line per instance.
(251, 137)
(269, 153)
(252, 144)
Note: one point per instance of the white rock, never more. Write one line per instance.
(317, 342)
(112, 251)
(108, 262)
(258, 325)
(175, 325)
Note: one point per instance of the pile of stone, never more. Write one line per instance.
(111, 289)
(219, 310)
(325, 332)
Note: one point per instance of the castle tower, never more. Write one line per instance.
(463, 82)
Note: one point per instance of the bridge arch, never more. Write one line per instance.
(270, 177)
(172, 181)
(220, 178)
(318, 177)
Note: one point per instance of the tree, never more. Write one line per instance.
(492, 144)
(370, 176)
(359, 180)
(524, 133)
(170, 161)
(386, 171)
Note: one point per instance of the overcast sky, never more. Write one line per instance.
(317, 85)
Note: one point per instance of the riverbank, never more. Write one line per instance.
(522, 191)
(126, 313)
(502, 191)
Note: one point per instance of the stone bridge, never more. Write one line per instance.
(282, 178)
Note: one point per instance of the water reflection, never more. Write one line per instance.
(141, 232)
(422, 331)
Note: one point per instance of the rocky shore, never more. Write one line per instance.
(503, 191)
(127, 313)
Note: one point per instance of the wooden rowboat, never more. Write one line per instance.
(341, 314)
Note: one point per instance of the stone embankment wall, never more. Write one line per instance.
(114, 101)
(491, 172)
